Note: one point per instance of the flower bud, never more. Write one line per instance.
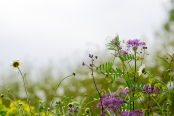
(2, 95)
(87, 110)
(83, 64)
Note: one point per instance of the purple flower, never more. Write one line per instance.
(123, 91)
(69, 109)
(125, 53)
(134, 44)
(126, 113)
(145, 87)
(103, 113)
(155, 89)
(119, 47)
(110, 106)
(99, 104)
(119, 101)
(69, 113)
(106, 95)
(137, 112)
(116, 108)
(74, 110)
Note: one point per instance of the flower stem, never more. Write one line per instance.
(96, 85)
(134, 81)
(25, 90)
(57, 88)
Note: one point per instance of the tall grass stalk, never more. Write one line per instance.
(58, 86)
(23, 77)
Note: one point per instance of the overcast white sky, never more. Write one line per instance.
(44, 30)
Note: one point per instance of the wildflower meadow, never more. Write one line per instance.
(122, 91)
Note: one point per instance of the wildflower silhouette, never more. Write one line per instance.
(16, 64)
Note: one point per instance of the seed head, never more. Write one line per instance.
(83, 64)
(90, 55)
(2, 95)
(70, 104)
(87, 110)
(15, 64)
(144, 47)
(74, 74)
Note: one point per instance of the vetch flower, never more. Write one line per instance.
(74, 109)
(134, 44)
(142, 70)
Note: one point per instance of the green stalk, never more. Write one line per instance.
(14, 104)
(25, 90)
(158, 105)
(58, 86)
(134, 81)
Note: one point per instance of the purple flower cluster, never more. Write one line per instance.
(110, 103)
(72, 110)
(147, 89)
(136, 112)
(121, 52)
(134, 44)
(123, 91)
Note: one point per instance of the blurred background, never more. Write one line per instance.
(51, 39)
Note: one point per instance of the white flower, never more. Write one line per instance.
(141, 69)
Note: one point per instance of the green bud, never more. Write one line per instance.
(2, 95)
(87, 110)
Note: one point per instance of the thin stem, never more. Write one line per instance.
(57, 88)
(25, 90)
(9, 92)
(129, 88)
(104, 81)
(96, 85)
(167, 71)
(134, 81)
(14, 104)
(158, 105)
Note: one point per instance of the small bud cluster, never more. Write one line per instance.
(136, 112)
(90, 65)
(123, 91)
(71, 109)
(148, 90)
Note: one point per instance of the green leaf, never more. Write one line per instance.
(121, 58)
(103, 73)
(107, 71)
(163, 59)
(92, 98)
(97, 96)
(163, 96)
(171, 56)
(103, 66)
(169, 102)
(24, 76)
(127, 84)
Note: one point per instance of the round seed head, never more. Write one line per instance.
(15, 64)
(2, 95)
(87, 110)
(70, 104)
